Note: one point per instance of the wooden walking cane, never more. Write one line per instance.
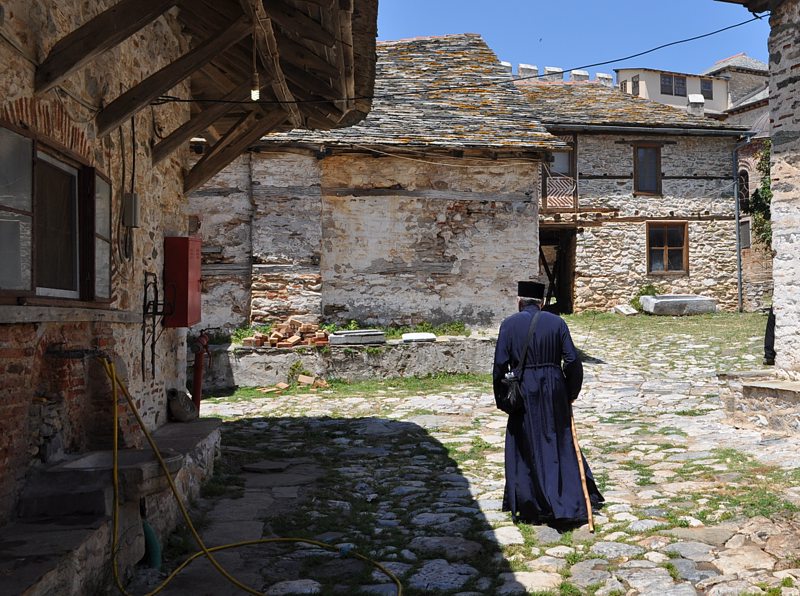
(582, 471)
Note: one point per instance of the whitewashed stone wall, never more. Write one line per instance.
(223, 210)
(784, 91)
(405, 241)
(611, 264)
(286, 236)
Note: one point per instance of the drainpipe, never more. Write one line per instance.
(735, 157)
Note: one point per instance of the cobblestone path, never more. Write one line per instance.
(414, 480)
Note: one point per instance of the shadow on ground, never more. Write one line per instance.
(383, 488)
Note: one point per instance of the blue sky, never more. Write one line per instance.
(571, 33)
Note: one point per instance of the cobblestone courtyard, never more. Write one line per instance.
(409, 473)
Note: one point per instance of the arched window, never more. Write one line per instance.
(744, 190)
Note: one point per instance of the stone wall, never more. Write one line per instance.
(611, 264)
(697, 176)
(261, 367)
(741, 84)
(784, 90)
(222, 210)
(287, 231)
(407, 241)
(611, 251)
(34, 383)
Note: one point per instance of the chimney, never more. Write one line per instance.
(553, 73)
(696, 105)
(528, 71)
(605, 79)
(506, 66)
(579, 75)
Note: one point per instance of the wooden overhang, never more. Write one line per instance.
(315, 61)
(755, 5)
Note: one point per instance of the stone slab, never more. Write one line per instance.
(357, 337)
(678, 304)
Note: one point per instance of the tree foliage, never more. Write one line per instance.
(758, 207)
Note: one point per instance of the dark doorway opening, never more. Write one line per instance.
(557, 262)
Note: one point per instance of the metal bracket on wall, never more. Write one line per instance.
(153, 310)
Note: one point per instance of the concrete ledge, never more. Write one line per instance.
(70, 555)
(236, 366)
(678, 304)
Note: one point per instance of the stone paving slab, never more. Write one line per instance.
(694, 503)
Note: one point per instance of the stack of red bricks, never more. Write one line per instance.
(290, 334)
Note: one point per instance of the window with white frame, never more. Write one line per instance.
(55, 223)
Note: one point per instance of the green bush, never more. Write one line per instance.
(237, 335)
(647, 290)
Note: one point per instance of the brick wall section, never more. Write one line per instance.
(784, 90)
(50, 405)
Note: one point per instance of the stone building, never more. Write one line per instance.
(425, 211)
(785, 136)
(644, 196)
(89, 129)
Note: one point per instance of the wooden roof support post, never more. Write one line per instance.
(231, 145)
(137, 97)
(199, 123)
(268, 55)
(103, 32)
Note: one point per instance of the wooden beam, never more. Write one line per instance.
(302, 56)
(305, 80)
(139, 96)
(229, 147)
(102, 33)
(296, 21)
(199, 123)
(267, 48)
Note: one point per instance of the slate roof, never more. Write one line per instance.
(756, 96)
(439, 92)
(740, 60)
(590, 103)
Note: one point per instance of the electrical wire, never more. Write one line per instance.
(164, 99)
(116, 386)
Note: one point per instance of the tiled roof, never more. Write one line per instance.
(439, 92)
(741, 60)
(590, 103)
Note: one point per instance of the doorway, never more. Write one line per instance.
(557, 267)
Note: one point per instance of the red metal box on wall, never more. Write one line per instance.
(181, 281)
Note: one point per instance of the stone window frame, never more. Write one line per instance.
(94, 194)
(659, 175)
(666, 224)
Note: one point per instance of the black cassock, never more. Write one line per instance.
(543, 483)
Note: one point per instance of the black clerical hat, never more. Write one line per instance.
(530, 289)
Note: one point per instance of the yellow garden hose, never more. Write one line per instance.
(116, 383)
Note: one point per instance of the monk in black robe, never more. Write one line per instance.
(543, 484)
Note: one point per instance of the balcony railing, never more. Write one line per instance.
(559, 192)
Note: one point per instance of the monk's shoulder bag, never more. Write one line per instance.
(512, 400)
